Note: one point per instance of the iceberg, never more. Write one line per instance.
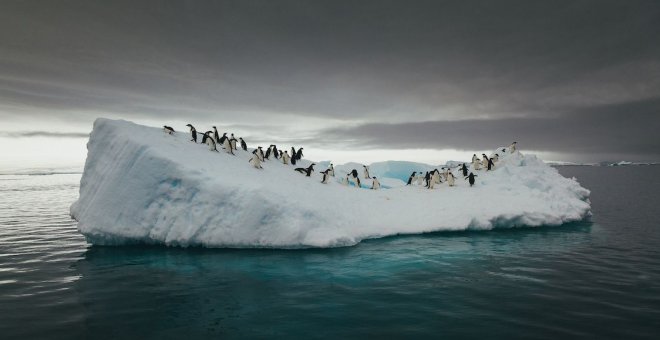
(141, 185)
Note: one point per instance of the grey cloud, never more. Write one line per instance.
(626, 129)
(27, 134)
(514, 62)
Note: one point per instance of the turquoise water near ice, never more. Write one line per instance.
(585, 280)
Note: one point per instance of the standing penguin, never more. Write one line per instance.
(366, 172)
(476, 162)
(464, 169)
(193, 133)
(326, 176)
(450, 179)
(275, 152)
(255, 161)
(243, 144)
(222, 139)
(420, 179)
(293, 153)
(490, 165)
(512, 147)
(438, 179)
(232, 142)
(427, 179)
(267, 156)
(484, 160)
(260, 153)
(356, 179)
(206, 135)
(227, 146)
(375, 185)
(216, 135)
(331, 170)
(285, 157)
(410, 179)
(210, 142)
(496, 158)
(299, 155)
(470, 178)
(435, 178)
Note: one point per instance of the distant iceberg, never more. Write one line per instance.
(141, 185)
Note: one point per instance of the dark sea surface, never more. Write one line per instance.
(596, 280)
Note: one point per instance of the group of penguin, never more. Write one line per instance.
(429, 179)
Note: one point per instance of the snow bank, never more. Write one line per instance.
(141, 185)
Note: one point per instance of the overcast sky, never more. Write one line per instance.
(413, 80)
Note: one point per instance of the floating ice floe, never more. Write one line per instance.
(141, 185)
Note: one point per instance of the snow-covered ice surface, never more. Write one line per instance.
(141, 185)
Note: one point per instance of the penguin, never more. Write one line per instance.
(490, 165)
(243, 144)
(331, 170)
(260, 153)
(210, 142)
(375, 185)
(267, 156)
(275, 154)
(450, 179)
(476, 162)
(438, 179)
(484, 160)
(410, 179)
(470, 178)
(496, 158)
(193, 133)
(366, 172)
(420, 179)
(435, 178)
(206, 135)
(427, 179)
(307, 171)
(326, 176)
(227, 146)
(285, 157)
(293, 156)
(281, 153)
(512, 147)
(344, 181)
(503, 150)
(255, 161)
(222, 139)
(464, 169)
(216, 135)
(299, 155)
(356, 179)
(168, 129)
(232, 142)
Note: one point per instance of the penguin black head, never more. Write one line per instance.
(188, 125)
(214, 126)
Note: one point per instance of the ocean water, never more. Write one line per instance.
(596, 280)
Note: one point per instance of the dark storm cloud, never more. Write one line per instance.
(501, 62)
(611, 129)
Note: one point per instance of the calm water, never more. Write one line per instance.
(590, 280)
